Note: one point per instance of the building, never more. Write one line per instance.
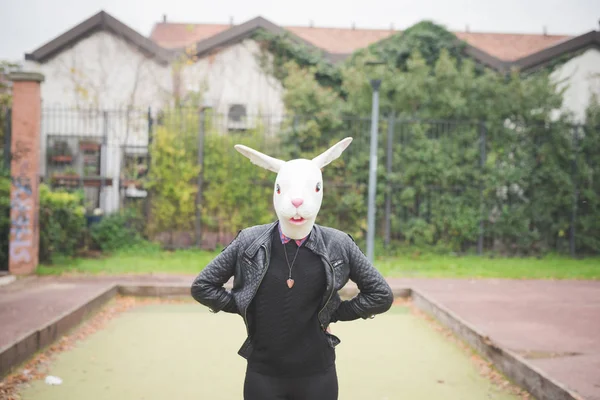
(102, 64)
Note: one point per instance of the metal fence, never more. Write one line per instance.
(94, 150)
(473, 184)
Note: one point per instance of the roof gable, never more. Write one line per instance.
(338, 43)
(99, 22)
(242, 31)
(536, 60)
(172, 35)
(341, 40)
(509, 46)
(495, 50)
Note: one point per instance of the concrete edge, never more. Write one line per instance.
(149, 290)
(22, 349)
(178, 290)
(7, 279)
(515, 367)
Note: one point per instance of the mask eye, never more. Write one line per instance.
(318, 188)
(278, 189)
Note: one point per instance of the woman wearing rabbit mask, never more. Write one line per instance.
(286, 277)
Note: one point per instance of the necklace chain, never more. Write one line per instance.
(288, 262)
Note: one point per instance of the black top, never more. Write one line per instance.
(286, 333)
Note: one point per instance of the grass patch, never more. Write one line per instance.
(143, 259)
(148, 259)
(471, 266)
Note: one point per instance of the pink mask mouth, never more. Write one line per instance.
(297, 221)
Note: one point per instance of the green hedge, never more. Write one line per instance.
(62, 223)
(117, 231)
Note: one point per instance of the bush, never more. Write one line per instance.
(173, 173)
(236, 194)
(117, 231)
(62, 222)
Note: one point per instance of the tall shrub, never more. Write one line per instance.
(62, 222)
(236, 193)
(587, 181)
(173, 172)
(446, 107)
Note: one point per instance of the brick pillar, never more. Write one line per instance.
(24, 171)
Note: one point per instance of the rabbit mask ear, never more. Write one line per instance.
(332, 153)
(260, 159)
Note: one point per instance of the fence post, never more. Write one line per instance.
(575, 137)
(482, 158)
(150, 124)
(103, 160)
(372, 191)
(201, 133)
(388, 194)
(149, 161)
(295, 151)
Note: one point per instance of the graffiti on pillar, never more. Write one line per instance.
(21, 150)
(21, 205)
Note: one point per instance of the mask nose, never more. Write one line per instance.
(297, 202)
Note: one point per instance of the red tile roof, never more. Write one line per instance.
(178, 35)
(340, 40)
(504, 46)
(510, 46)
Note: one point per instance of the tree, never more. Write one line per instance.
(445, 106)
(587, 182)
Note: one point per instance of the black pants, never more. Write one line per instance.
(315, 387)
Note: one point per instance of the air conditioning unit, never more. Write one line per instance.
(237, 120)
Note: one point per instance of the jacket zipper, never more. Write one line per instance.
(254, 294)
(332, 290)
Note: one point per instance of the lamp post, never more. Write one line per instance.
(206, 106)
(375, 81)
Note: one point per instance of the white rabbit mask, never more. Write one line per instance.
(298, 190)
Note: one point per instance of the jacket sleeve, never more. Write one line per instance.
(208, 288)
(375, 295)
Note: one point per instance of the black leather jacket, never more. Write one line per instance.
(247, 257)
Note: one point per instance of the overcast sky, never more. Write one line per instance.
(27, 24)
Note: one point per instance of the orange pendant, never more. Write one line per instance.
(290, 283)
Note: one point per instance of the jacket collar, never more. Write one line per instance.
(285, 239)
(314, 242)
(263, 238)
